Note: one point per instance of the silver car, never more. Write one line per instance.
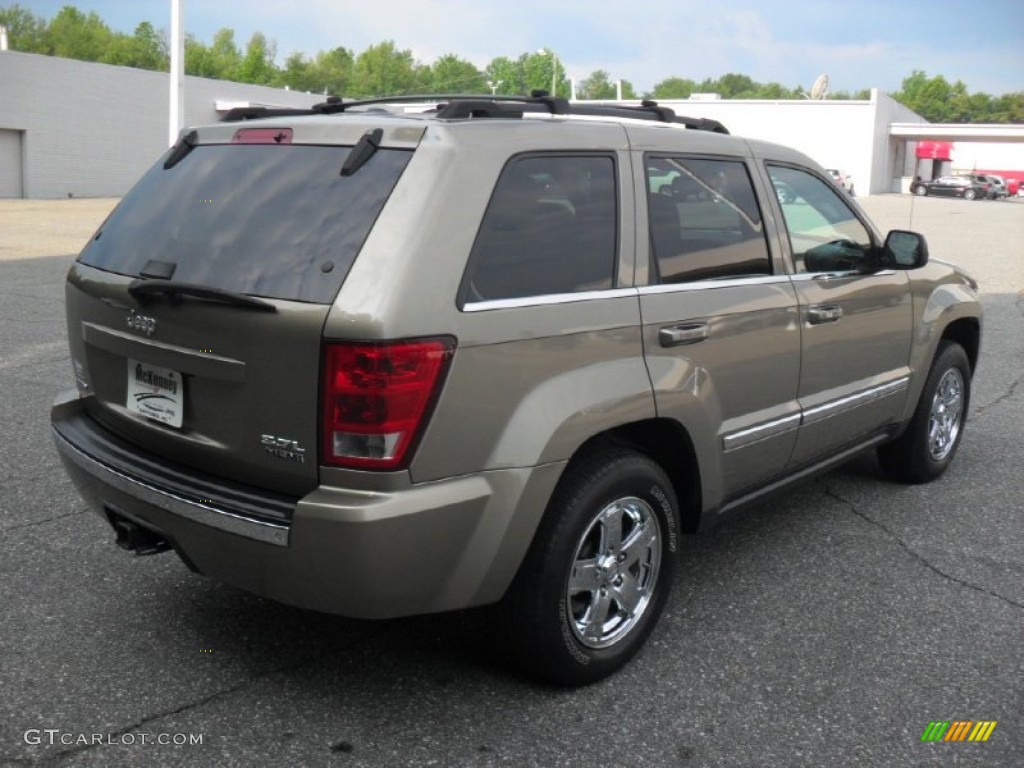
(506, 351)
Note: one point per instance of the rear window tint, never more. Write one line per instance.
(550, 228)
(266, 220)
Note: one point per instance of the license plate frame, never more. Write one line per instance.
(156, 393)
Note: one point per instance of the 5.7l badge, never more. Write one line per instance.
(283, 448)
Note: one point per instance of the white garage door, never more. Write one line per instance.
(10, 164)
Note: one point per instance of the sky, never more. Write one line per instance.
(857, 43)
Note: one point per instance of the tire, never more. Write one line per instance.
(970, 194)
(920, 190)
(605, 548)
(927, 447)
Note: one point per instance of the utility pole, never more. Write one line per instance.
(176, 120)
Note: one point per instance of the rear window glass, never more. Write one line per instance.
(265, 220)
(704, 221)
(550, 228)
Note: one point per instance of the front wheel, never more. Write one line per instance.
(920, 190)
(926, 449)
(970, 194)
(598, 572)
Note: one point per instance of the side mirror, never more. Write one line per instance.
(904, 250)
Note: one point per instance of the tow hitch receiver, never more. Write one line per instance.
(137, 538)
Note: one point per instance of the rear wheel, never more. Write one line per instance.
(970, 194)
(926, 448)
(597, 575)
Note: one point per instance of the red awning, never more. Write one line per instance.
(934, 150)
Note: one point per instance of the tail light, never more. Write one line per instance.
(377, 398)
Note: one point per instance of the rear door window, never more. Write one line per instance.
(278, 221)
(704, 220)
(551, 227)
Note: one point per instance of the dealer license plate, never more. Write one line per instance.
(156, 393)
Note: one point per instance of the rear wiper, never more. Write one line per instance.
(145, 289)
(364, 149)
(185, 144)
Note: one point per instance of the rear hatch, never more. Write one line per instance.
(195, 313)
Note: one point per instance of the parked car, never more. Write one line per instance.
(380, 365)
(990, 183)
(841, 180)
(952, 186)
(999, 190)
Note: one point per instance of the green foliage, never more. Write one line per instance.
(384, 69)
(450, 74)
(25, 30)
(674, 88)
(597, 85)
(74, 35)
(937, 101)
(257, 65)
(505, 76)
(143, 50)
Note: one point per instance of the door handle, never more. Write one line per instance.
(824, 313)
(687, 333)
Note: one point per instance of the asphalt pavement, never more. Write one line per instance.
(827, 628)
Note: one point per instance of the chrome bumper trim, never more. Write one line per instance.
(205, 514)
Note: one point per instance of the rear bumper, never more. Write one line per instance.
(423, 548)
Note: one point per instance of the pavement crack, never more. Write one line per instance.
(222, 693)
(36, 523)
(1009, 393)
(916, 555)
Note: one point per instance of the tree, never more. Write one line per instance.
(198, 58)
(928, 96)
(224, 56)
(450, 74)
(26, 31)
(257, 66)
(538, 70)
(73, 35)
(1008, 108)
(596, 85)
(674, 88)
(143, 50)
(383, 70)
(334, 71)
(731, 86)
(505, 76)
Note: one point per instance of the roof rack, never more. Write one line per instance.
(455, 106)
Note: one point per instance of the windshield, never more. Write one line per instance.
(278, 221)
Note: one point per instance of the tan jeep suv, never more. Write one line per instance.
(499, 351)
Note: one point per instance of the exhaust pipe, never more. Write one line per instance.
(136, 538)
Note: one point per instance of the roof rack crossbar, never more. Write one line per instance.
(463, 105)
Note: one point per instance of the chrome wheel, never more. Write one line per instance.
(614, 571)
(946, 415)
